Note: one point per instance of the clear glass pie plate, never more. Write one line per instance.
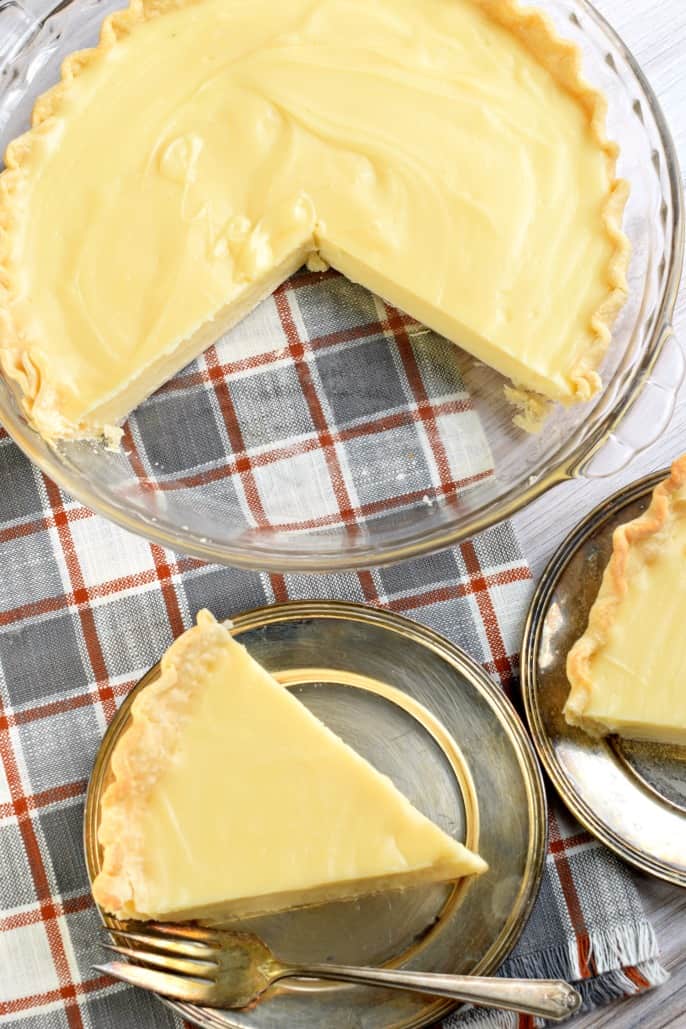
(328, 430)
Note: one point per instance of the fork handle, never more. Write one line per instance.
(549, 998)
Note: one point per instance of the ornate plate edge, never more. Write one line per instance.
(473, 672)
(538, 607)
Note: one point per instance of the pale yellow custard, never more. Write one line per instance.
(230, 798)
(627, 670)
(444, 153)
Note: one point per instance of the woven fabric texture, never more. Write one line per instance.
(85, 609)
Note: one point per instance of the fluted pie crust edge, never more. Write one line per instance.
(603, 614)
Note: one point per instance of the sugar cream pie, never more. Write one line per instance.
(230, 798)
(446, 154)
(627, 670)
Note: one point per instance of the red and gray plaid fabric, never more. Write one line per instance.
(324, 390)
(85, 609)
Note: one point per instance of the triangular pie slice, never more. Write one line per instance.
(230, 799)
(446, 154)
(627, 670)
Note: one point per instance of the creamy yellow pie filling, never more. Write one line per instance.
(627, 670)
(444, 153)
(230, 798)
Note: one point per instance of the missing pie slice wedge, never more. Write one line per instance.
(446, 154)
(626, 672)
(229, 798)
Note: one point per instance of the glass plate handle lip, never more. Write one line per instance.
(656, 395)
(17, 26)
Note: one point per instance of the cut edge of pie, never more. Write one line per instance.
(407, 850)
(533, 28)
(659, 514)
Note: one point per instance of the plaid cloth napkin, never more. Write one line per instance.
(85, 609)
(324, 391)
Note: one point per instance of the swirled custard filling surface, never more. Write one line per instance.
(190, 165)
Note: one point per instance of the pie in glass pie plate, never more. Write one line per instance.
(450, 158)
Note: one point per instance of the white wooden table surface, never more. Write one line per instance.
(655, 31)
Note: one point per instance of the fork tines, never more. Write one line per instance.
(186, 955)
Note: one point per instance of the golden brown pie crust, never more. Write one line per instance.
(143, 752)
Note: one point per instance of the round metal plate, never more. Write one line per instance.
(631, 795)
(424, 713)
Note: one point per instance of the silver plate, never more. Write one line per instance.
(631, 795)
(424, 713)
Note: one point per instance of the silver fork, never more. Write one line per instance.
(223, 969)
